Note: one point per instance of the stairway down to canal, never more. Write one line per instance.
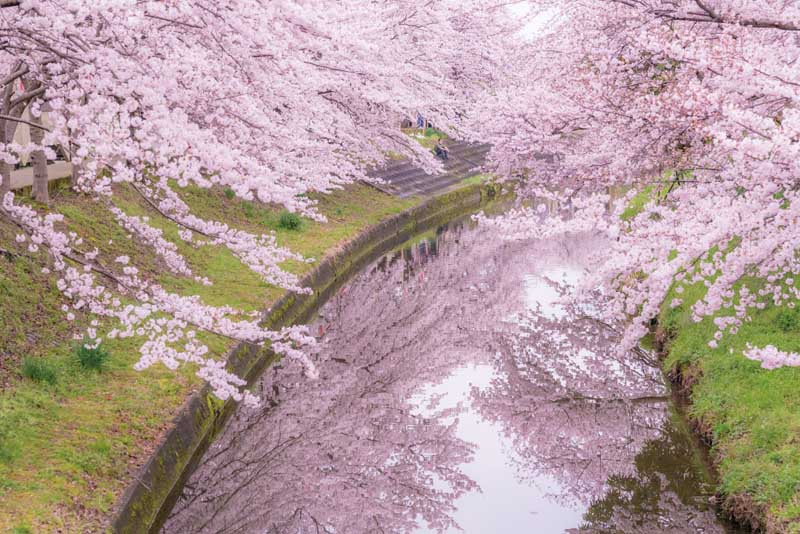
(404, 179)
(442, 402)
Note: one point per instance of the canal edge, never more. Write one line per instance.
(155, 487)
(740, 509)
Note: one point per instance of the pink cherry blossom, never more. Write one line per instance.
(696, 99)
(268, 99)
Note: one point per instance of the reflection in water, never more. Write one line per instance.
(570, 407)
(435, 380)
(666, 492)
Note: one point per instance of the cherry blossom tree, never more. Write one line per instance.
(349, 452)
(575, 416)
(696, 98)
(352, 452)
(271, 100)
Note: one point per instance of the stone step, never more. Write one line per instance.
(399, 175)
(445, 184)
(476, 159)
(404, 179)
(419, 182)
(456, 169)
(452, 165)
(467, 151)
(424, 182)
(395, 164)
(433, 187)
(457, 150)
(388, 172)
(416, 174)
(461, 146)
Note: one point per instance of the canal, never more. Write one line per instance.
(456, 394)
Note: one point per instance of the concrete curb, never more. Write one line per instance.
(147, 502)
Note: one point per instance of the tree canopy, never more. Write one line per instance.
(696, 103)
(696, 98)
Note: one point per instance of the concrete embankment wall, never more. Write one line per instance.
(150, 497)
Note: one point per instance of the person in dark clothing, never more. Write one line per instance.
(441, 150)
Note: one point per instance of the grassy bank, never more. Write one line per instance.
(751, 416)
(427, 137)
(70, 437)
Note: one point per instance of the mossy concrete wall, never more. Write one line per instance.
(148, 500)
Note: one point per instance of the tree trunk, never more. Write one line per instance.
(7, 130)
(5, 168)
(39, 161)
(73, 180)
(5, 179)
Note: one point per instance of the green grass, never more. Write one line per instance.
(657, 191)
(69, 449)
(39, 370)
(752, 414)
(477, 179)
(643, 197)
(27, 299)
(92, 358)
(637, 203)
(289, 221)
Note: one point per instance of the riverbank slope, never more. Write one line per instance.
(72, 439)
(748, 415)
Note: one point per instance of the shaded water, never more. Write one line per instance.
(442, 404)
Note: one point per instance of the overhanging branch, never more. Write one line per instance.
(23, 121)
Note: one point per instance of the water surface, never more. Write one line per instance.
(444, 403)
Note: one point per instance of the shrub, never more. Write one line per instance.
(91, 358)
(39, 370)
(229, 193)
(289, 221)
(787, 320)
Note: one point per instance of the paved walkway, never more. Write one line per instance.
(24, 177)
(403, 179)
